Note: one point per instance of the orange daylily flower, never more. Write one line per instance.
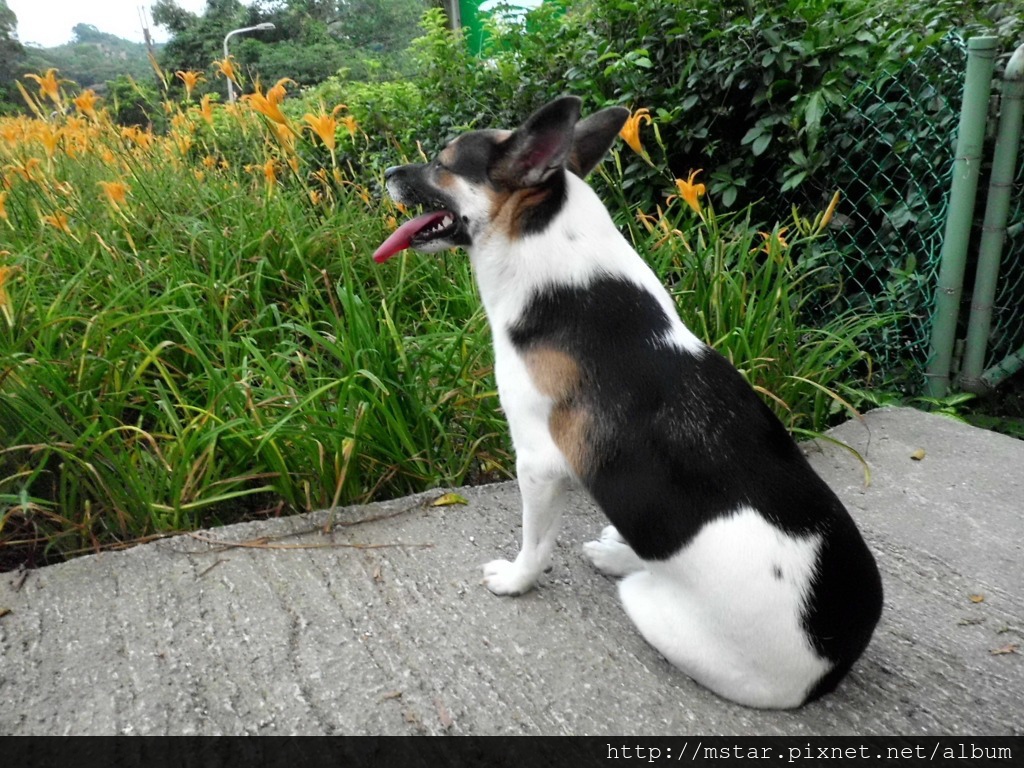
(206, 109)
(226, 67)
(49, 138)
(270, 104)
(191, 79)
(324, 126)
(48, 84)
(116, 192)
(26, 170)
(780, 238)
(58, 220)
(138, 136)
(6, 272)
(691, 192)
(85, 102)
(350, 124)
(12, 132)
(285, 137)
(270, 172)
(631, 130)
(277, 93)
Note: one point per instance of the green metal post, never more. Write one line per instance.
(981, 53)
(1002, 370)
(997, 210)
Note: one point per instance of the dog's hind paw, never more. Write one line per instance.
(507, 578)
(611, 555)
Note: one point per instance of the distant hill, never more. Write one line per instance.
(92, 58)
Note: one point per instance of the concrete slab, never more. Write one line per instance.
(384, 628)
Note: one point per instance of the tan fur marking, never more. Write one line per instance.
(508, 209)
(553, 372)
(445, 179)
(448, 154)
(571, 430)
(558, 376)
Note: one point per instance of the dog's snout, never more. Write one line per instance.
(389, 172)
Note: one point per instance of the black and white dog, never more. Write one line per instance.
(739, 564)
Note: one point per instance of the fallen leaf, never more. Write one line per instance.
(1008, 648)
(443, 715)
(918, 454)
(448, 499)
(977, 598)
(4, 612)
(391, 695)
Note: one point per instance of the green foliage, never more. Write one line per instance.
(11, 51)
(135, 102)
(311, 41)
(745, 91)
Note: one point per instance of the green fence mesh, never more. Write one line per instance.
(893, 149)
(892, 161)
(1007, 334)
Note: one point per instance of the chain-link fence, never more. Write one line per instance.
(894, 146)
(893, 162)
(1007, 334)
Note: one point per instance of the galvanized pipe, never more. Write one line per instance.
(997, 211)
(981, 53)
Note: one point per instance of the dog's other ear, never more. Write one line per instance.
(593, 137)
(540, 146)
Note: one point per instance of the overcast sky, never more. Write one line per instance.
(49, 22)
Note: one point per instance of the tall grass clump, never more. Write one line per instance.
(191, 328)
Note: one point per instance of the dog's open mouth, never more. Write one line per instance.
(417, 233)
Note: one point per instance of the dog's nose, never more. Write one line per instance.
(389, 172)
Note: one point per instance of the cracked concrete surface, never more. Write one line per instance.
(384, 628)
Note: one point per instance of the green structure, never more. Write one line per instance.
(473, 16)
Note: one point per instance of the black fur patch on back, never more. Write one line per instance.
(679, 439)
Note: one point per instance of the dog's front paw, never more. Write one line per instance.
(507, 578)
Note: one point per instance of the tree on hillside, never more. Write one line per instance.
(12, 54)
(382, 25)
(196, 40)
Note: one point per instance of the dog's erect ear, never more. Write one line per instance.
(540, 146)
(593, 137)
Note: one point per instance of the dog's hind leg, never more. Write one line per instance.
(727, 609)
(681, 630)
(542, 486)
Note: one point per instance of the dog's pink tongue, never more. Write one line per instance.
(402, 237)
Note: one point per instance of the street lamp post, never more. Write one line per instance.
(258, 28)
